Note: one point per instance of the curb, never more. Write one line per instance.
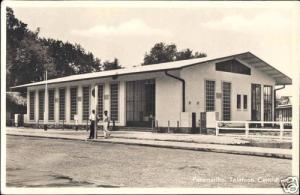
(203, 149)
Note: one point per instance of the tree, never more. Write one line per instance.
(107, 65)
(29, 56)
(70, 59)
(162, 52)
(15, 32)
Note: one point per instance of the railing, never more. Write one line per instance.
(255, 126)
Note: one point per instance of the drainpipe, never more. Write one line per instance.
(283, 86)
(183, 88)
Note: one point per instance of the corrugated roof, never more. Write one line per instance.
(247, 57)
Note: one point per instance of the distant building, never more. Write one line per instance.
(15, 104)
(237, 87)
(284, 109)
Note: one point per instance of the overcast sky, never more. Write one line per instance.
(266, 29)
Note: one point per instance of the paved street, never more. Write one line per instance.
(43, 162)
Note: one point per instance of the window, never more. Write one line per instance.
(31, 105)
(41, 104)
(85, 102)
(233, 66)
(226, 100)
(114, 102)
(100, 101)
(238, 101)
(62, 98)
(73, 100)
(245, 102)
(255, 102)
(210, 95)
(268, 103)
(51, 104)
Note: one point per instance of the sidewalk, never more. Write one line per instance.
(209, 143)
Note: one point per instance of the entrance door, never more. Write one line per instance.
(226, 101)
(140, 103)
(255, 102)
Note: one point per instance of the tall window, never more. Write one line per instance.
(233, 66)
(238, 101)
(268, 103)
(100, 101)
(51, 104)
(210, 95)
(41, 104)
(226, 100)
(114, 102)
(73, 100)
(85, 102)
(245, 102)
(31, 105)
(62, 104)
(255, 102)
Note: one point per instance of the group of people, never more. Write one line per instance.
(94, 119)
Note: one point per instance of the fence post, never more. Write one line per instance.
(246, 129)
(281, 130)
(217, 128)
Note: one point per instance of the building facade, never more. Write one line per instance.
(237, 87)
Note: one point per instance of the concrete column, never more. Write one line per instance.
(218, 101)
(93, 99)
(46, 107)
(79, 104)
(106, 102)
(122, 103)
(56, 105)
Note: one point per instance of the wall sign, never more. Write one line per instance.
(218, 95)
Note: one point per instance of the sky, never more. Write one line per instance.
(267, 29)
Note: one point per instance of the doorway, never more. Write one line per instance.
(140, 103)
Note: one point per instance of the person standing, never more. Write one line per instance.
(92, 124)
(106, 132)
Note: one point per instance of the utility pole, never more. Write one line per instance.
(96, 110)
(46, 95)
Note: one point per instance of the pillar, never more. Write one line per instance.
(79, 104)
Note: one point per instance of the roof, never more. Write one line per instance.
(247, 57)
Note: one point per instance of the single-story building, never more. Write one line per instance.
(237, 87)
(284, 109)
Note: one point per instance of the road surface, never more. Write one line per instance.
(43, 162)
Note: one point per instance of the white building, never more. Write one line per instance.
(237, 87)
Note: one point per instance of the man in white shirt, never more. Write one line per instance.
(106, 132)
(92, 124)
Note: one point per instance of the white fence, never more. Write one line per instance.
(246, 127)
